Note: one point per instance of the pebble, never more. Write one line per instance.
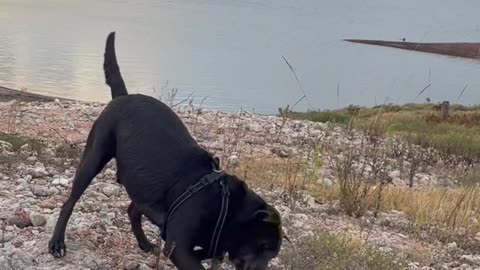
(32, 159)
(20, 218)
(37, 219)
(131, 265)
(6, 146)
(41, 191)
(7, 237)
(38, 170)
(110, 190)
(451, 247)
(143, 266)
(61, 181)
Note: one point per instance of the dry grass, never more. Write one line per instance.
(325, 251)
(453, 208)
(417, 252)
(290, 175)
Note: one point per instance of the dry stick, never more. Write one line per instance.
(338, 94)
(423, 90)
(237, 131)
(3, 233)
(298, 101)
(183, 101)
(211, 123)
(461, 92)
(171, 96)
(292, 69)
(71, 144)
(455, 210)
(170, 252)
(159, 255)
(197, 114)
(12, 120)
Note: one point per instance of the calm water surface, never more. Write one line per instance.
(231, 51)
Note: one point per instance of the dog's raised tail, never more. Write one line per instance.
(113, 77)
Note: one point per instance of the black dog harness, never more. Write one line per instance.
(214, 177)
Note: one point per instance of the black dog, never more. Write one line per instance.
(174, 182)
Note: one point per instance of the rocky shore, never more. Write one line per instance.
(35, 181)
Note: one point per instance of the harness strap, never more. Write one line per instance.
(221, 220)
(205, 181)
(192, 189)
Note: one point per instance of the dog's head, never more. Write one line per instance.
(258, 242)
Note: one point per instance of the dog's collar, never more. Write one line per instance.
(205, 181)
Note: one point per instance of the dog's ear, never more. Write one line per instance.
(269, 215)
(216, 163)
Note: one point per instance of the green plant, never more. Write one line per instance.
(18, 141)
(339, 117)
(325, 251)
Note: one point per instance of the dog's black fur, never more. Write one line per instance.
(157, 159)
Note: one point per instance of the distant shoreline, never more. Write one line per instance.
(8, 94)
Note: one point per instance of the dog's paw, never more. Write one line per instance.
(149, 247)
(57, 248)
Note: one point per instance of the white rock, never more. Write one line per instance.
(32, 159)
(477, 236)
(326, 182)
(49, 152)
(254, 126)
(62, 181)
(7, 237)
(6, 146)
(472, 258)
(131, 265)
(38, 170)
(41, 191)
(399, 182)
(109, 171)
(110, 190)
(394, 174)
(452, 246)
(37, 219)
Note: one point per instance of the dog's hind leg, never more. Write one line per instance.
(98, 151)
(135, 217)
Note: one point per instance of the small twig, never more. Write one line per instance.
(170, 252)
(298, 101)
(211, 123)
(292, 69)
(3, 233)
(183, 101)
(338, 94)
(199, 108)
(461, 92)
(71, 144)
(423, 90)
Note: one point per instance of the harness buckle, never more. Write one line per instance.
(191, 190)
(204, 181)
(225, 189)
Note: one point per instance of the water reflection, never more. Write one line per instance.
(231, 51)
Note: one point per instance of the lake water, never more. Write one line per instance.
(229, 52)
